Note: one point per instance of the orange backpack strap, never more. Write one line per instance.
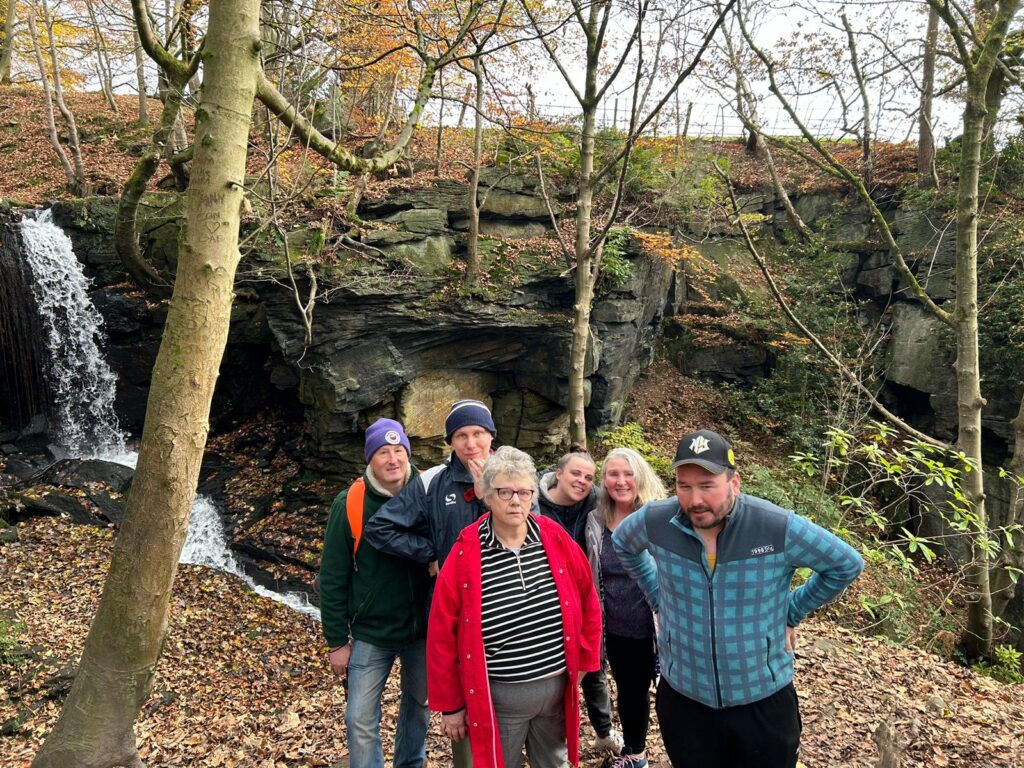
(354, 511)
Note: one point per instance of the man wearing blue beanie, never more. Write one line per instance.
(367, 622)
(423, 521)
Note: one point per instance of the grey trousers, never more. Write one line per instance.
(532, 714)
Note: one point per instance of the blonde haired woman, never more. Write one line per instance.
(627, 483)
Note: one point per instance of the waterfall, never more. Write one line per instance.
(82, 385)
(84, 389)
(206, 545)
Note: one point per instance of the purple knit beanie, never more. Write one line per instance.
(385, 432)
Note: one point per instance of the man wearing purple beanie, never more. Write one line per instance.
(374, 608)
(422, 523)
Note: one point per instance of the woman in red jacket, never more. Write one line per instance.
(514, 624)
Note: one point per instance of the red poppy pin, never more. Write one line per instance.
(469, 495)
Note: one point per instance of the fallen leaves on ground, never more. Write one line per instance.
(243, 680)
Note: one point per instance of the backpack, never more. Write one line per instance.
(354, 512)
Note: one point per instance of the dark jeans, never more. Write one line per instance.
(762, 734)
(633, 667)
(598, 701)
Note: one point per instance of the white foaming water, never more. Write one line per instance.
(84, 388)
(82, 383)
(206, 545)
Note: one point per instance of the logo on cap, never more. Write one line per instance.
(699, 444)
(391, 437)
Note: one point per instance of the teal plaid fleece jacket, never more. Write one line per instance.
(722, 633)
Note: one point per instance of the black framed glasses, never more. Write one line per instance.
(505, 494)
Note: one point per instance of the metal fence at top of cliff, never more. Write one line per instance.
(700, 118)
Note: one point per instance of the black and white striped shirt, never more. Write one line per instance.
(522, 617)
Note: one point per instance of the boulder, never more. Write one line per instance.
(506, 229)
(726, 361)
(921, 351)
(422, 221)
(109, 508)
(54, 504)
(78, 473)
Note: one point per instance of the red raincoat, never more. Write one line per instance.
(456, 665)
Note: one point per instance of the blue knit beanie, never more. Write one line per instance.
(465, 413)
(385, 432)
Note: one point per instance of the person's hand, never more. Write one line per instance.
(476, 469)
(432, 568)
(790, 639)
(339, 659)
(454, 726)
(579, 678)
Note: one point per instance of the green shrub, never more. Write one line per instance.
(616, 268)
(1004, 667)
(1010, 166)
(631, 435)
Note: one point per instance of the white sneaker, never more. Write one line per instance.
(631, 761)
(611, 743)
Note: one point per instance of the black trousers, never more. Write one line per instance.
(762, 734)
(633, 666)
(599, 703)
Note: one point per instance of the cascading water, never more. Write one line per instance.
(206, 545)
(84, 390)
(82, 383)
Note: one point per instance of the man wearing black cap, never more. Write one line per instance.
(423, 521)
(718, 564)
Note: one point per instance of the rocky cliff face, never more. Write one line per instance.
(392, 335)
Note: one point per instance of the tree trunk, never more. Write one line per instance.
(867, 157)
(465, 105)
(126, 240)
(140, 80)
(103, 69)
(51, 122)
(584, 282)
(440, 125)
(977, 639)
(127, 634)
(7, 46)
(926, 176)
(69, 118)
(1003, 587)
(473, 239)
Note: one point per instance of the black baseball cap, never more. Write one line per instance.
(705, 449)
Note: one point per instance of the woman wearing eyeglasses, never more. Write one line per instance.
(514, 624)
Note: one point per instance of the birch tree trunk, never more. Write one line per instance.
(73, 183)
(7, 46)
(140, 80)
(586, 274)
(127, 634)
(926, 176)
(74, 146)
(982, 78)
(103, 70)
(473, 239)
(978, 634)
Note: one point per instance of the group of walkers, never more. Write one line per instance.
(504, 593)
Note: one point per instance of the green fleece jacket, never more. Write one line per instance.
(376, 598)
